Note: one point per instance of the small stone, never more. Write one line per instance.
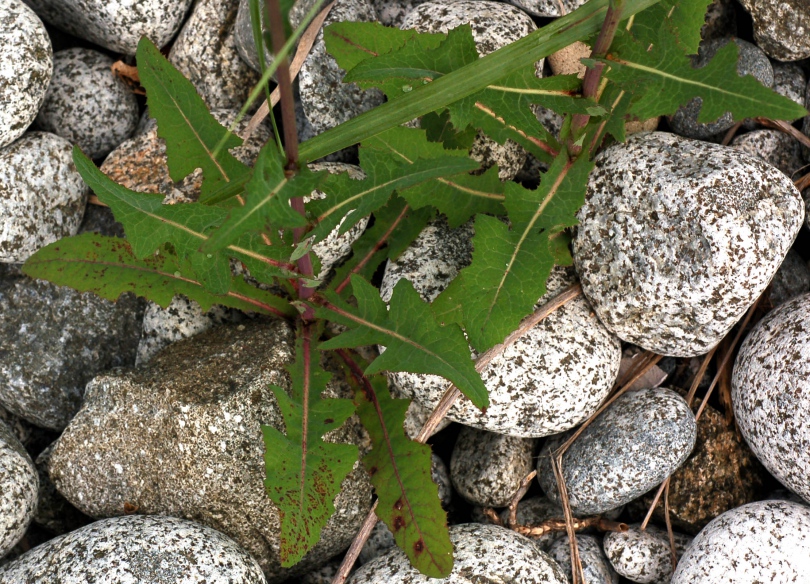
(643, 556)
(100, 220)
(19, 484)
(549, 8)
(416, 416)
(595, 567)
(720, 20)
(54, 513)
(637, 126)
(393, 12)
(778, 149)
(323, 575)
(118, 29)
(33, 438)
(767, 390)
(137, 548)
(766, 541)
(670, 257)
(567, 61)
(781, 27)
(243, 38)
(441, 476)
(487, 469)
(42, 196)
(752, 61)
(533, 511)
(637, 442)
(792, 279)
(483, 553)
(26, 64)
(789, 80)
(87, 104)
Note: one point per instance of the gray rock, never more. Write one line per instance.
(26, 64)
(306, 131)
(19, 484)
(752, 61)
(379, 542)
(487, 469)
(776, 148)
(551, 379)
(483, 553)
(792, 279)
(416, 416)
(441, 476)
(33, 438)
(322, 575)
(781, 28)
(54, 513)
(205, 52)
(669, 255)
(42, 196)
(767, 389)
(87, 104)
(98, 219)
(549, 8)
(200, 421)
(720, 20)
(595, 567)
(789, 80)
(532, 512)
(53, 340)
(117, 27)
(766, 541)
(630, 448)
(393, 12)
(643, 556)
(243, 38)
(147, 550)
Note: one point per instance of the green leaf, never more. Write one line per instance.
(107, 267)
(686, 18)
(184, 122)
(304, 473)
(438, 128)
(414, 339)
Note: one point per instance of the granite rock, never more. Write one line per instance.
(595, 567)
(792, 279)
(26, 64)
(789, 80)
(643, 556)
(323, 575)
(416, 416)
(243, 38)
(781, 27)
(33, 438)
(42, 196)
(393, 12)
(720, 20)
(19, 484)
(778, 149)
(677, 238)
(87, 104)
(54, 512)
(548, 8)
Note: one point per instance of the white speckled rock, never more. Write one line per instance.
(26, 64)
(416, 416)
(87, 104)
(483, 553)
(243, 38)
(117, 25)
(322, 575)
(792, 279)
(393, 12)
(789, 80)
(766, 541)
(487, 469)
(549, 8)
(769, 393)
(643, 556)
(19, 485)
(777, 148)
(551, 379)
(42, 196)
(630, 448)
(595, 567)
(781, 27)
(677, 238)
(137, 548)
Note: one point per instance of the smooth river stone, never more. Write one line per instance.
(19, 485)
(643, 556)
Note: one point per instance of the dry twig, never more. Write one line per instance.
(552, 525)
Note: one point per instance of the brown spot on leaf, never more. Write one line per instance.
(399, 523)
(398, 504)
(418, 546)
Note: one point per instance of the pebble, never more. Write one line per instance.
(781, 27)
(487, 469)
(117, 27)
(33, 438)
(766, 541)
(792, 279)
(136, 548)
(533, 511)
(771, 405)
(323, 575)
(87, 104)
(669, 256)
(554, 377)
(26, 65)
(201, 425)
(641, 439)
(595, 567)
(483, 553)
(206, 52)
(789, 80)
(644, 556)
(752, 61)
(54, 512)
(568, 61)
(19, 484)
(393, 12)
(778, 149)
(243, 38)
(42, 196)
(416, 416)
(549, 8)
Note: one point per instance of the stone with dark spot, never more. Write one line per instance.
(766, 541)
(42, 196)
(781, 27)
(631, 447)
(87, 104)
(643, 556)
(26, 64)
(197, 410)
(769, 393)
(19, 484)
(136, 548)
(777, 148)
(595, 567)
(677, 238)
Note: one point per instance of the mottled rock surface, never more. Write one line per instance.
(54, 513)
(393, 12)
(790, 80)
(781, 27)
(778, 149)
(549, 8)
(643, 556)
(595, 567)
(19, 484)
(792, 279)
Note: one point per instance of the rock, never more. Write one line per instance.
(595, 567)
(631, 447)
(42, 196)
(549, 8)
(415, 418)
(637, 126)
(147, 550)
(379, 542)
(643, 556)
(306, 131)
(87, 104)
(567, 61)
(393, 12)
(441, 476)
(669, 256)
(766, 541)
(322, 575)
(205, 52)
(26, 64)
(752, 61)
(792, 279)
(53, 340)
(483, 553)
(551, 379)
(487, 469)
(243, 38)
(789, 80)
(778, 149)
(33, 438)
(720, 20)
(54, 513)
(771, 405)
(118, 30)
(98, 219)
(781, 28)
(533, 511)
(18, 490)
(197, 409)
